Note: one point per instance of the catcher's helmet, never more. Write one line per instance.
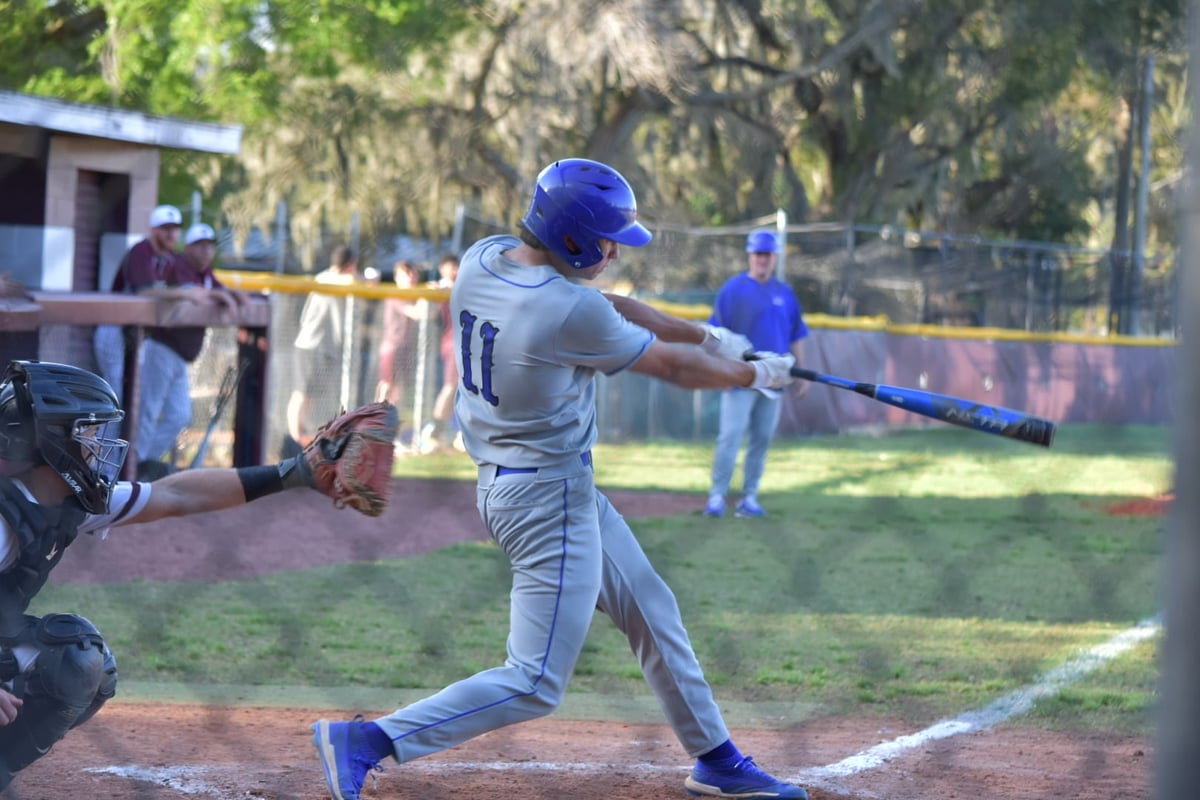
(586, 201)
(762, 241)
(65, 417)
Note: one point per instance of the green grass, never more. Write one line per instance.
(917, 574)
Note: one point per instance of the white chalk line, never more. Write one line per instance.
(1015, 703)
(1010, 705)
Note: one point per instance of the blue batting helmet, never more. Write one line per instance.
(586, 201)
(762, 241)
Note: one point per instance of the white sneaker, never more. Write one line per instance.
(426, 443)
(749, 507)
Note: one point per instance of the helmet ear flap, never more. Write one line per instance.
(570, 245)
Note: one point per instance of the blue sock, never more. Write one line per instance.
(379, 742)
(725, 754)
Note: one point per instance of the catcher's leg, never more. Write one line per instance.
(73, 676)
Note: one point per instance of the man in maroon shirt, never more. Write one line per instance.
(144, 264)
(165, 407)
(147, 262)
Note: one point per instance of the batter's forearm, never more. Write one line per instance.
(666, 327)
(691, 368)
(714, 372)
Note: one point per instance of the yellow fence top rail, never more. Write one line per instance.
(297, 284)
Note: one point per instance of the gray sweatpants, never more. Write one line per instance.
(745, 414)
(166, 400)
(571, 553)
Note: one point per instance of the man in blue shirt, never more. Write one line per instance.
(765, 310)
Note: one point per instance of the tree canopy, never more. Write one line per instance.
(972, 116)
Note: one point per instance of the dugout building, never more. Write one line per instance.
(77, 184)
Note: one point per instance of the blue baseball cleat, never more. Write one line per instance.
(345, 756)
(749, 507)
(744, 780)
(715, 507)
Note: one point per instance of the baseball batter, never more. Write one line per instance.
(530, 340)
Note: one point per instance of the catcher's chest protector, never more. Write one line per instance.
(43, 533)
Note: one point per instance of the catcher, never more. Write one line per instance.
(59, 461)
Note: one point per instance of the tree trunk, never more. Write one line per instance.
(1118, 302)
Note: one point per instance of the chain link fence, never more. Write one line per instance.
(1065, 378)
(354, 375)
(915, 277)
(836, 270)
(921, 278)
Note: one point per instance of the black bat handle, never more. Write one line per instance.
(869, 389)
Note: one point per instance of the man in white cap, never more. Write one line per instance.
(165, 406)
(143, 264)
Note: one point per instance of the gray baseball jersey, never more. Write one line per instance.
(529, 344)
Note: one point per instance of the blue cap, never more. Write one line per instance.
(762, 241)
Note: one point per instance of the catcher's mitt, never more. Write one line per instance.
(350, 458)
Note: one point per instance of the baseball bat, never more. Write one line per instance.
(954, 410)
(229, 383)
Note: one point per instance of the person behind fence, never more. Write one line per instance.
(318, 355)
(60, 455)
(144, 264)
(439, 431)
(764, 309)
(165, 399)
(397, 345)
(531, 339)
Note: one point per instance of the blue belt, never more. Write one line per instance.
(586, 458)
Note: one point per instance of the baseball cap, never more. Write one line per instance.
(762, 241)
(200, 233)
(165, 215)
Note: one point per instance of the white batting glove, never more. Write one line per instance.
(771, 370)
(724, 342)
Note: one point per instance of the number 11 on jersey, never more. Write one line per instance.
(487, 332)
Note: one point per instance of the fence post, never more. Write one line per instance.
(781, 221)
(460, 222)
(1030, 288)
(422, 368)
(1178, 730)
(347, 350)
(1143, 192)
(846, 304)
(280, 243)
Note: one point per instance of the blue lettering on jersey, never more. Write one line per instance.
(487, 332)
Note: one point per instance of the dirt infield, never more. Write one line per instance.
(178, 752)
(200, 753)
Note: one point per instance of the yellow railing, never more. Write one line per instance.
(293, 284)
